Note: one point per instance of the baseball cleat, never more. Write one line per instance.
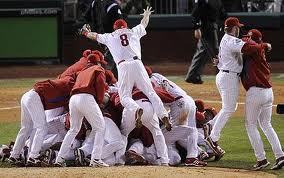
(132, 158)
(98, 163)
(138, 117)
(214, 146)
(260, 165)
(33, 162)
(194, 162)
(60, 164)
(279, 163)
(16, 162)
(49, 157)
(167, 123)
(79, 157)
(203, 156)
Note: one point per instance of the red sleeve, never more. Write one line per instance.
(164, 95)
(100, 87)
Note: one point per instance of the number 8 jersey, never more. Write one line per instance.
(123, 43)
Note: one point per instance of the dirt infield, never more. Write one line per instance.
(133, 172)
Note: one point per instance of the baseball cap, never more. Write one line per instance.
(255, 35)
(232, 21)
(94, 58)
(200, 105)
(102, 58)
(120, 23)
(86, 52)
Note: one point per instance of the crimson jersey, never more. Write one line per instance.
(55, 93)
(92, 81)
(75, 68)
(256, 70)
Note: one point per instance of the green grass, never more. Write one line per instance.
(234, 139)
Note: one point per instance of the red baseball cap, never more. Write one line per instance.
(120, 23)
(232, 21)
(255, 35)
(94, 58)
(102, 58)
(86, 53)
(200, 105)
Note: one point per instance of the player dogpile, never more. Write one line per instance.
(86, 117)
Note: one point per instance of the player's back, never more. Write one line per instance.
(124, 44)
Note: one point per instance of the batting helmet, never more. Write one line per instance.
(120, 23)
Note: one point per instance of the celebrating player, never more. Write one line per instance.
(124, 45)
(259, 99)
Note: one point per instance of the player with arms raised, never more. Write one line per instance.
(124, 45)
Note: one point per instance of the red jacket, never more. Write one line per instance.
(55, 93)
(75, 68)
(92, 81)
(256, 70)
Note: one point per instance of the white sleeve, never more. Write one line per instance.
(237, 45)
(139, 30)
(103, 38)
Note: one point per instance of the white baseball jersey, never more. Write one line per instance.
(171, 87)
(123, 43)
(230, 56)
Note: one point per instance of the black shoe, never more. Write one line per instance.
(33, 162)
(260, 165)
(16, 162)
(278, 164)
(194, 80)
(79, 157)
(49, 157)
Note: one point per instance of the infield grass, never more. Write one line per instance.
(234, 139)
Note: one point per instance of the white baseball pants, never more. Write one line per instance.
(150, 120)
(84, 105)
(258, 109)
(114, 144)
(32, 117)
(133, 73)
(228, 85)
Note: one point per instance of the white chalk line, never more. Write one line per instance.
(206, 101)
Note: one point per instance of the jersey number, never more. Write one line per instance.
(124, 41)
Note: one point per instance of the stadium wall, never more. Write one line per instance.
(170, 37)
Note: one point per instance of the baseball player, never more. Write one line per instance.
(124, 45)
(86, 95)
(182, 115)
(113, 148)
(259, 99)
(45, 95)
(82, 63)
(150, 120)
(230, 65)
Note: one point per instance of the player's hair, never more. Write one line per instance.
(228, 29)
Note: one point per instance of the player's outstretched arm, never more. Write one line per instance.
(86, 31)
(146, 16)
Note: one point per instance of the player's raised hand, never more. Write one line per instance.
(85, 29)
(147, 11)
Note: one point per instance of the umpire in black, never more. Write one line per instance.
(101, 15)
(205, 17)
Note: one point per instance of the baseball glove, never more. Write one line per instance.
(85, 29)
